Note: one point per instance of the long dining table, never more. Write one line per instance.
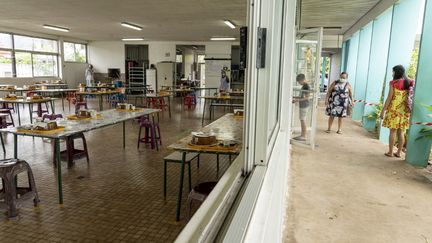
(69, 128)
(30, 102)
(228, 127)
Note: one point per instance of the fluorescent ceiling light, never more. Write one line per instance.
(58, 28)
(230, 24)
(132, 39)
(132, 26)
(222, 38)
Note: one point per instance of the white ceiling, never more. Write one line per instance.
(181, 20)
(333, 13)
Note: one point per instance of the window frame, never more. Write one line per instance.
(75, 43)
(13, 51)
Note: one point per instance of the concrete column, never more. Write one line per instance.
(405, 20)
(323, 72)
(362, 70)
(419, 150)
(377, 67)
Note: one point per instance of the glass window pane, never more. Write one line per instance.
(179, 58)
(69, 52)
(35, 44)
(75, 52)
(5, 64)
(44, 65)
(5, 40)
(80, 53)
(23, 64)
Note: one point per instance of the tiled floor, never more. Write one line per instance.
(118, 197)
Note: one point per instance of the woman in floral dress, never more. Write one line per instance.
(396, 112)
(338, 101)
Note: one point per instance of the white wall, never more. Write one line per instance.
(216, 50)
(73, 73)
(111, 54)
(106, 54)
(335, 66)
(162, 52)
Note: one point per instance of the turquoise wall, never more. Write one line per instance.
(352, 58)
(362, 70)
(377, 65)
(402, 38)
(418, 151)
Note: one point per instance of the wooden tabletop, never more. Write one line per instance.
(228, 127)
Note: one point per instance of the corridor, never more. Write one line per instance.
(348, 191)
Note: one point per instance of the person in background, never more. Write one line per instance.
(89, 75)
(395, 112)
(224, 82)
(304, 102)
(338, 101)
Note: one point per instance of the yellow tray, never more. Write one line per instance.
(213, 147)
(54, 131)
(75, 118)
(124, 110)
(5, 98)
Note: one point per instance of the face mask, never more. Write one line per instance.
(343, 80)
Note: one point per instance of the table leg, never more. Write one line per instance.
(31, 112)
(169, 106)
(59, 172)
(124, 134)
(203, 115)
(62, 97)
(179, 199)
(39, 109)
(15, 146)
(100, 103)
(19, 116)
(154, 134)
(53, 106)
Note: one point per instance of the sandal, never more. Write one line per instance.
(339, 132)
(388, 155)
(300, 138)
(396, 155)
(327, 131)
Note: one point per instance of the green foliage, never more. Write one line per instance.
(412, 69)
(425, 133)
(376, 113)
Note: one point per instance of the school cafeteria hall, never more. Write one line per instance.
(215, 121)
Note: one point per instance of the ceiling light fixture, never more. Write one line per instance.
(223, 38)
(132, 26)
(132, 39)
(58, 28)
(230, 24)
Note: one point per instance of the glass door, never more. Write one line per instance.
(306, 86)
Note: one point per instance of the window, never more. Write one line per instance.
(74, 52)
(5, 41)
(5, 64)
(44, 65)
(23, 64)
(179, 58)
(26, 56)
(27, 43)
(201, 58)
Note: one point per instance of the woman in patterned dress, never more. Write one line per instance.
(338, 101)
(395, 112)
